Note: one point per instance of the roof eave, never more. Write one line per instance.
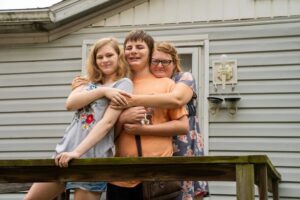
(55, 26)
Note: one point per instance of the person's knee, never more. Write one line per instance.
(29, 197)
(86, 195)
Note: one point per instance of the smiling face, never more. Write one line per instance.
(162, 64)
(137, 55)
(107, 61)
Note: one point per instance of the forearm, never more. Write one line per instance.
(170, 128)
(78, 100)
(166, 100)
(118, 128)
(179, 96)
(98, 131)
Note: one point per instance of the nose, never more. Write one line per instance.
(105, 59)
(133, 50)
(160, 65)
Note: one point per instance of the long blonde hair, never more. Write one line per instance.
(94, 74)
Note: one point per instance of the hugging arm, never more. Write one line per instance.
(175, 127)
(179, 96)
(80, 97)
(132, 115)
(130, 121)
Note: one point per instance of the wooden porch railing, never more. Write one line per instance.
(246, 171)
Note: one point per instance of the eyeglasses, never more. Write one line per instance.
(164, 63)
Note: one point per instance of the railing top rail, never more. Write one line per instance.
(153, 161)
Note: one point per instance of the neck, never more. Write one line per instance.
(141, 73)
(109, 79)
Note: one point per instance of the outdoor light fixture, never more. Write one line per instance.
(214, 104)
(232, 104)
(224, 72)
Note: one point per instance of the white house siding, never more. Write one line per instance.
(186, 11)
(264, 37)
(34, 82)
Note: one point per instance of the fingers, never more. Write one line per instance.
(132, 128)
(62, 160)
(78, 81)
(125, 94)
(119, 100)
(57, 159)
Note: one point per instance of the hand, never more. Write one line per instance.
(121, 101)
(78, 81)
(133, 129)
(133, 115)
(118, 98)
(63, 159)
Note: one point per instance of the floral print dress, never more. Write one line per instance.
(190, 144)
(84, 120)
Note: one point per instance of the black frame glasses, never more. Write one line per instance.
(164, 63)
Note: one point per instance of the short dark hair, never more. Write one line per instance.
(141, 35)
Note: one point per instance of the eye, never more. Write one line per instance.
(128, 47)
(166, 62)
(109, 55)
(154, 61)
(140, 47)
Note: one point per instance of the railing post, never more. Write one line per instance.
(275, 191)
(245, 181)
(262, 181)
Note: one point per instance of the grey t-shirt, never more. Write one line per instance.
(85, 119)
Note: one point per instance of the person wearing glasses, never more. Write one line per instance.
(165, 63)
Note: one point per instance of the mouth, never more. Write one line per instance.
(132, 59)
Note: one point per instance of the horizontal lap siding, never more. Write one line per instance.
(268, 118)
(34, 83)
(183, 11)
(287, 191)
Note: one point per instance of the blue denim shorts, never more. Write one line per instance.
(88, 186)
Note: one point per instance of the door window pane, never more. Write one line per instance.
(186, 62)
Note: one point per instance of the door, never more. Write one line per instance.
(192, 60)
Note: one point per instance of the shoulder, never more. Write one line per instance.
(123, 81)
(166, 80)
(90, 86)
(183, 76)
(124, 84)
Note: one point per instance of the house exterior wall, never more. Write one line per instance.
(35, 81)
(187, 11)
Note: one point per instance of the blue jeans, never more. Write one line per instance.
(88, 186)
